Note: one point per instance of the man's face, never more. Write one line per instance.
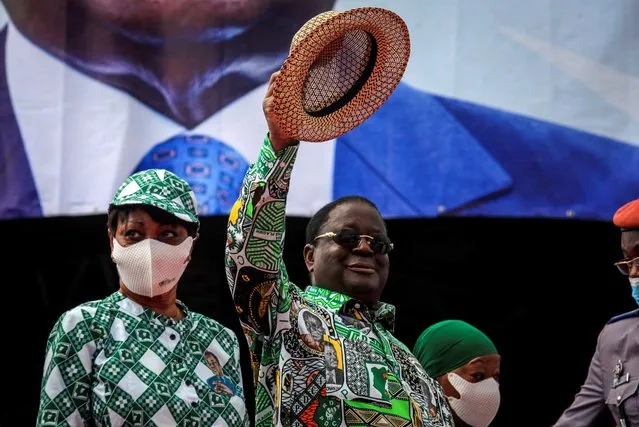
(630, 249)
(213, 363)
(314, 327)
(330, 357)
(186, 59)
(359, 272)
(160, 20)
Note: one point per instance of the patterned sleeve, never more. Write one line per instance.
(255, 238)
(66, 383)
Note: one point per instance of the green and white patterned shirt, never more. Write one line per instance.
(319, 358)
(114, 362)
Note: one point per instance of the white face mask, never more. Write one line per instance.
(150, 267)
(478, 402)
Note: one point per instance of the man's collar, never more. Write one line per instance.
(381, 312)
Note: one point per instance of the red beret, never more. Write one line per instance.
(627, 216)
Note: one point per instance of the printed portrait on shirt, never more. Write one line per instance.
(334, 364)
(218, 382)
(426, 388)
(418, 380)
(431, 402)
(312, 330)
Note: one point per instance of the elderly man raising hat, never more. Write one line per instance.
(325, 355)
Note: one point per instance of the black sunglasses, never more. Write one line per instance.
(350, 239)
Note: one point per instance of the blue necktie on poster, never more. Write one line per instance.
(213, 169)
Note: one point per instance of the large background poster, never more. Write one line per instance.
(507, 108)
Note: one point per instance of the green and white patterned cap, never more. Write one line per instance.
(159, 188)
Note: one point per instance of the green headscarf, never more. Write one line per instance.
(447, 345)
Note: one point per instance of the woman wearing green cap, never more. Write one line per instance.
(139, 356)
(467, 365)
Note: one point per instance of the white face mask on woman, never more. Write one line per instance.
(151, 267)
(478, 402)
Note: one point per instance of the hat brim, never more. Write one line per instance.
(392, 52)
(162, 203)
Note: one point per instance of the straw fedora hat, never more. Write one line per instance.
(341, 68)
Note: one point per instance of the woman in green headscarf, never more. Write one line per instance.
(467, 365)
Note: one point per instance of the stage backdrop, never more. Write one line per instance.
(507, 108)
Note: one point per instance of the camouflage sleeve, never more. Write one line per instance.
(255, 237)
(66, 383)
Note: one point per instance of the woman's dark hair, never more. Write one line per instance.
(319, 218)
(117, 214)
